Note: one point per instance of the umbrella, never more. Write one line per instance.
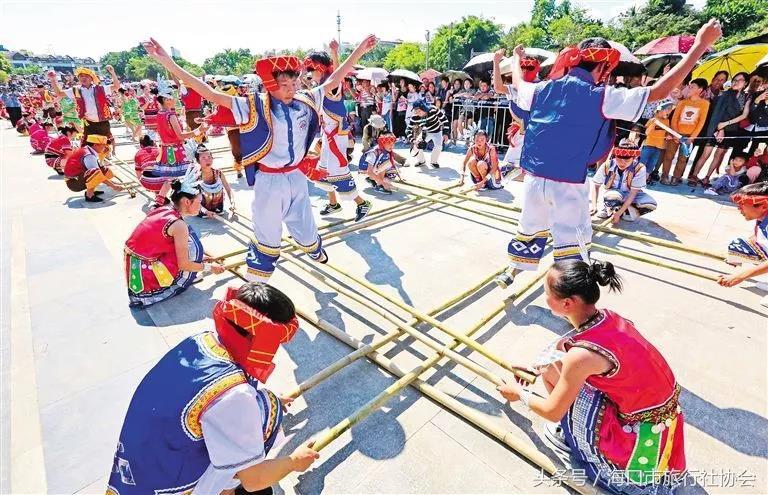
(505, 66)
(457, 74)
(763, 38)
(231, 80)
(629, 65)
(373, 74)
(735, 59)
(429, 74)
(540, 54)
(655, 63)
(665, 45)
(405, 74)
(762, 67)
(480, 66)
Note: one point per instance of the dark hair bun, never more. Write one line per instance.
(604, 274)
(176, 185)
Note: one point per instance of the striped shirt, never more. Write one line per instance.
(434, 122)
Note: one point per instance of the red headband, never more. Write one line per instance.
(572, 56)
(254, 353)
(266, 67)
(312, 65)
(626, 152)
(531, 67)
(386, 140)
(756, 200)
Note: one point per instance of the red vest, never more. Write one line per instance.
(642, 379)
(102, 104)
(76, 162)
(192, 100)
(145, 156)
(59, 145)
(168, 136)
(150, 239)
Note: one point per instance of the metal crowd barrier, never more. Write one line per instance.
(490, 115)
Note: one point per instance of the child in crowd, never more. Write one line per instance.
(734, 178)
(379, 164)
(752, 201)
(688, 120)
(757, 166)
(655, 139)
(623, 177)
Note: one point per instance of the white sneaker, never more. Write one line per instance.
(631, 214)
(604, 213)
(711, 192)
(505, 279)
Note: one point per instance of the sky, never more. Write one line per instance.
(198, 28)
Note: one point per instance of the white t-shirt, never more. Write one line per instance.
(91, 161)
(618, 104)
(286, 138)
(89, 98)
(639, 180)
(233, 435)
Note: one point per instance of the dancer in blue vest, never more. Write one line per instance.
(334, 134)
(571, 126)
(201, 422)
(276, 133)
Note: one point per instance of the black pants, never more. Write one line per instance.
(242, 491)
(99, 128)
(365, 115)
(14, 113)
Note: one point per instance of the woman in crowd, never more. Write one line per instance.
(730, 108)
(412, 96)
(610, 389)
(130, 110)
(467, 114)
(757, 126)
(400, 95)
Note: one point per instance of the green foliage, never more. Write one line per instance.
(411, 56)
(193, 69)
(4, 77)
(5, 64)
(119, 60)
(143, 68)
(737, 16)
(29, 70)
(459, 40)
(234, 62)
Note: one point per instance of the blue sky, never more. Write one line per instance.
(201, 28)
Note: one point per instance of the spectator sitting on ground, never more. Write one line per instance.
(757, 166)
(623, 179)
(733, 179)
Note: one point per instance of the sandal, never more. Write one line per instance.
(693, 181)
(664, 181)
(705, 183)
(675, 181)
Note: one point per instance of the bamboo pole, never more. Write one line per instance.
(661, 264)
(600, 228)
(416, 334)
(425, 318)
(365, 349)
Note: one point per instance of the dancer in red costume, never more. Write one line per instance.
(612, 392)
(60, 148)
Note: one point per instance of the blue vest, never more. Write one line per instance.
(567, 131)
(333, 107)
(161, 448)
(256, 134)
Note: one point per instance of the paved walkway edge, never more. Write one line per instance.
(27, 461)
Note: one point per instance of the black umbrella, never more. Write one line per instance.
(481, 66)
(655, 63)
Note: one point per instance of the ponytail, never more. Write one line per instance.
(577, 278)
(146, 141)
(178, 194)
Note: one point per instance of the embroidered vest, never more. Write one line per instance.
(102, 105)
(161, 447)
(613, 173)
(256, 134)
(75, 164)
(566, 131)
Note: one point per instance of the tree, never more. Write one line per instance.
(5, 64)
(411, 56)
(193, 69)
(119, 60)
(736, 16)
(143, 68)
(526, 35)
(230, 61)
(28, 70)
(461, 39)
(4, 77)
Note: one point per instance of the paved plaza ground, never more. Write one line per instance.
(72, 352)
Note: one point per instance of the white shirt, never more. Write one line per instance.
(91, 113)
(639, 180)
(233, 435)
(618, 103)
(289, 133)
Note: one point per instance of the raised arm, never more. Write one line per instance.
(158, 53)
(333, 47)
(498, 83)
(349, 64)
(707, 35)
(115, 80)
(55, 85)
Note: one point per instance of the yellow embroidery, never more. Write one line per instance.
(195, 408)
